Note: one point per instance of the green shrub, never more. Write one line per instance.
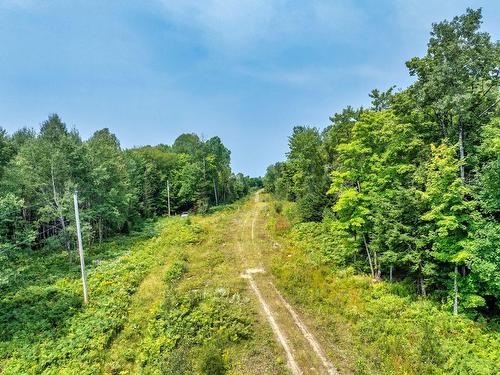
(323, 243)
(278, 207)
(195, 321)
(175, 271)
(212, 361)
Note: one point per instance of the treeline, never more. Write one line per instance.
(410, 188)
(117, 189)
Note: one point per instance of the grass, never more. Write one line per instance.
(169, 300)
(121, 356)
(206, 321)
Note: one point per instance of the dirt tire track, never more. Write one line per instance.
(307, 334)
(282, 339)
(279, 332)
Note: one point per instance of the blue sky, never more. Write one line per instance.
(245, 70)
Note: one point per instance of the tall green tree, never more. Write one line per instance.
(487, 184)
(217, 161)
(6, 150)
(108, 195)
(15, 231)
(381, 100)
(449, 214)
(370, 167)
(44, 172)
(458, 79)
(414, 180)
(308, 177)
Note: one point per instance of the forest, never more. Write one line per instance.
(117, 189)
(409, 189)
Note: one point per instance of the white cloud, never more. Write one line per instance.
(223, 24)
(338, 16)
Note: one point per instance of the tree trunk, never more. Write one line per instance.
(462, 149)
(215, 194)
(421, 280)
(455, 292)
(443, 125)
(99, 226)
(422, 286)
(369, 256)
(376, 265)
(390, 273)
(59, 211)
(443, 129)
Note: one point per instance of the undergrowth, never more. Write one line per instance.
(45, 328)
(190, 330)
(375, 327)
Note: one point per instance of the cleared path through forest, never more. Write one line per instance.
(304, 353)
(245, 253)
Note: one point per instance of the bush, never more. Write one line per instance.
(323, 243)
(212, 361)
(311, 205)
(278, 207)
(175, 271)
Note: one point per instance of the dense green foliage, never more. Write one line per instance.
(117, 188)
(411, 185)
(44, 327)
(377, 328)
(43, 324)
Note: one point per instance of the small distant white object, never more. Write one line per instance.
(248, 273)
(185, 214)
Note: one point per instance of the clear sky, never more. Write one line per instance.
(247, 70)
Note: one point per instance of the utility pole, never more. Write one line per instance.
(80, 248)
(168, 196)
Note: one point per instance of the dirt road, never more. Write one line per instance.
(303, 352)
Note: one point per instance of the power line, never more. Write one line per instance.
(39, 204)
(22, 208)
(33, 243)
